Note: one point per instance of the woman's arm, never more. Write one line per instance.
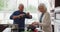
(46, 21)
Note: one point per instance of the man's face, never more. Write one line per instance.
(21, 8)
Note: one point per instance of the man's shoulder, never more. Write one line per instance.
(16, 11)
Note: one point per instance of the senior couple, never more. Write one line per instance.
(19, 18)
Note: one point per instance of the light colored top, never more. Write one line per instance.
(46, 23)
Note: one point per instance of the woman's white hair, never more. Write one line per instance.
(42, 4)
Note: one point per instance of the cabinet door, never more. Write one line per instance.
(57, 3)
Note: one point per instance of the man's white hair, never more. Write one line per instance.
(21, 4)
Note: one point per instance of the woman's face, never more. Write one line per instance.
(41, 9)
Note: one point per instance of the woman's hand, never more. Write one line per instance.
(36, 23)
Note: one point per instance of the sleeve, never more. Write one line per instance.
(28, 17)
(14, 14)
(47, 20)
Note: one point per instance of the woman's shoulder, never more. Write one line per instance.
(47, 13)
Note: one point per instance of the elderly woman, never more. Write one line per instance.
(45, 21)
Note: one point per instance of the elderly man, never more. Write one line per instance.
(19, 17)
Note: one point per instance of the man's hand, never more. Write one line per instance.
(28, 14)
(21, 15)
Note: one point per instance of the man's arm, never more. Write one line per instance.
(28, 15)
(13, 16)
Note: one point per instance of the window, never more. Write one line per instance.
(9, 6)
